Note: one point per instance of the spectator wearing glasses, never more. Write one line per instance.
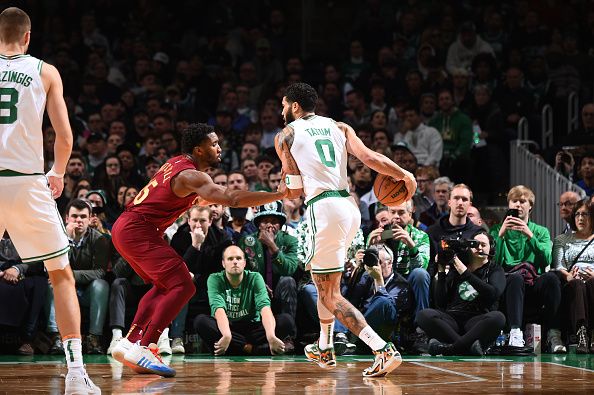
(566, 203)
(573, 258)
(442, 187)
(424, 198)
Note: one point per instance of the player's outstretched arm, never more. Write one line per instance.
(282, 143)
(193, 181)
(377, 161)
(58, 114)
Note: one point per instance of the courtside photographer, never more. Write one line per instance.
(467, 321)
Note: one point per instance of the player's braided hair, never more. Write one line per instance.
(194, 135)
(302, 93)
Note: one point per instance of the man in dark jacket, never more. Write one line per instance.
(201, 244)
(273, 253)
(25, 286)
(456, 225)
(88, 256)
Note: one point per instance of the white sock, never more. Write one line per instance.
(116, 333)
(326, 335)
(372, 339)
(73, 351)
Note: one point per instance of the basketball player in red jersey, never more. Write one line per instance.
(138, 237)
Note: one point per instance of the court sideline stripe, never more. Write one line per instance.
(475, 378)
(569, 366)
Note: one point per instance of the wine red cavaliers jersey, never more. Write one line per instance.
(157, 202)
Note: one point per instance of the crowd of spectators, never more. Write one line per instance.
(438, 87)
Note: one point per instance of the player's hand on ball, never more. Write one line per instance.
(411, 184)
(277, 346)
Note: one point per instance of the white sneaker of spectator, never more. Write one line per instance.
(120, 349)
(164, 344)
(112, 344)
(555, 343)
(80, 384)
(516, 338)
(177, 346)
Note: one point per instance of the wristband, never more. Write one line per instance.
(52, 173)
(294, 181)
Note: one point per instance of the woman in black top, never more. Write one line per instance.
(466, 297)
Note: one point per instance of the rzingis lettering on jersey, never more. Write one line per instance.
(15, 76)
(167, 167)
(318, 132)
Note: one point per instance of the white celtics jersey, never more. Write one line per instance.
(319, 148)
(22, 103)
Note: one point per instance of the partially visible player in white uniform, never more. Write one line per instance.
(313, 150)
(27, 207)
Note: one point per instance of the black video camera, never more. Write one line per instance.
(371, 257)
(455, 246)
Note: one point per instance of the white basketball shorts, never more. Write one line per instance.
(30, 214)
(332, 225)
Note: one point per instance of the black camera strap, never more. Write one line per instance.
(580, 254)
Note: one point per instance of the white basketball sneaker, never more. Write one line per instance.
(147, 360)
(80, 384)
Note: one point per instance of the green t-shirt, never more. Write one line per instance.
(514, 247)
(242, 303)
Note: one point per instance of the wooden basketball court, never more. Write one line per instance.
(237, 375)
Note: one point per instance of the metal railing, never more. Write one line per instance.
(523, 129)
(546, 118)
(572, 113)
(547, 184)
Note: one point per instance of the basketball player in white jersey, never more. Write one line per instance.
(27, 207)
(313, 150)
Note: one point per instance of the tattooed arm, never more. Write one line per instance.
(283, 143)
(377, 161)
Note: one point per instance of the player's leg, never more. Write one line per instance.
(323, 351)
(177, 290)
(386, 356)
(129, 236)
(173, 288)
(37, 231)
(68, 319)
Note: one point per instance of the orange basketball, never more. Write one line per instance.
(389, 191)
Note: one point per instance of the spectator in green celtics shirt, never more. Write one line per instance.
(241, 321)
(523, 248)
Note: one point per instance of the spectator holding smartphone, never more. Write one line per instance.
(523, 248)
(410, 247)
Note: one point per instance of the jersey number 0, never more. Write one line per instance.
(325, 150)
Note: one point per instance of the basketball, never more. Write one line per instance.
(389, 191)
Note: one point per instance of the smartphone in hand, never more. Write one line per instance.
(513, 212)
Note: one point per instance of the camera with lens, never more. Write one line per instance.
(371, 257)
(455, 246)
